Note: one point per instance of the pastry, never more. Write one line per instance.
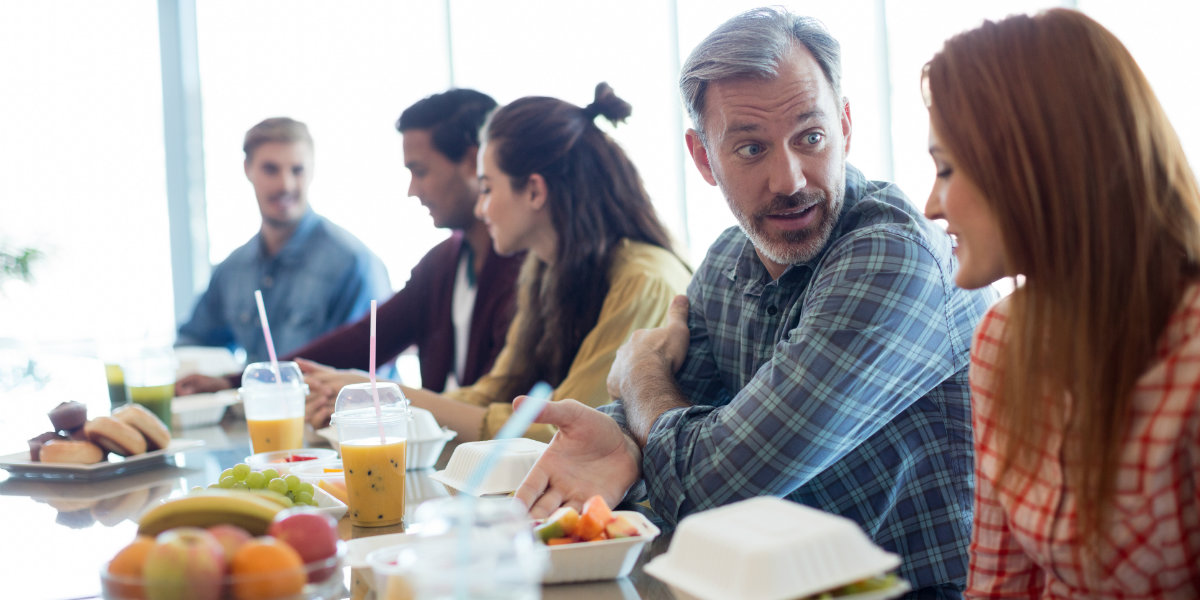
(70, 451)
(114, 436)
(147, 423)
(68, 416)
(35, 444)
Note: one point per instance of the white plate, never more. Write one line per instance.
(19, 465)
(326, 503)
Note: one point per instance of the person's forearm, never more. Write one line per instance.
(651, 393)
(466, 419)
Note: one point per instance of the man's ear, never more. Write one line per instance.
(246, 168)
(847, 129)
(536, 189)
(699, 155)
(470, 160)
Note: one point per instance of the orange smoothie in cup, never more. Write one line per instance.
(374, 480)
(268, 435)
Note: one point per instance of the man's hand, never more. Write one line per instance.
(324, 383)
(643, 373)
(200, 384)
(660, 350)
(589, 455)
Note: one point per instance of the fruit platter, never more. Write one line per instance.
(217, 543)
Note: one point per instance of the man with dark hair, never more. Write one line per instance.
(314, 275)
(821, 352)
(459, 299)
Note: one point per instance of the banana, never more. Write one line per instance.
(211, 507)
(280, 499)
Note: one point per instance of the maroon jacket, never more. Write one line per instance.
(420, 314)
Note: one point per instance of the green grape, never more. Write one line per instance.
(197, 488)
(240, 485)
(270, 474)
(278, 486)
(293, 482)
(214, 486)
(306, 487)
(240, 471)
(226, 482)
(256, 480)
(226, 473)
(304, 498)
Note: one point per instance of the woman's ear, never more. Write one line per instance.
(536, 188)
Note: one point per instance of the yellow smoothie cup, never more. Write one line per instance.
(373, 443)
(273, 399)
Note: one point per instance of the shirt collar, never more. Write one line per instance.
(293, 248)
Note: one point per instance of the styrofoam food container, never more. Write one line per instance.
(765, 549)
(313, 471)
(426, 439)
(506, 474)
(198, 410)
(605, 559)
(277, 459)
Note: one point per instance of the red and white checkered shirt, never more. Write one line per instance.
(1024, 543)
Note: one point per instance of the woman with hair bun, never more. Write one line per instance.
(1056, 166)
(599, 262)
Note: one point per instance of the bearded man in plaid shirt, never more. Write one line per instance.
(821, 353)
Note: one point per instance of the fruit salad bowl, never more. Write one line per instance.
(318, 580)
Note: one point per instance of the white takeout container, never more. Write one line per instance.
(768, 549)
(605, 559)
(506, 474)
(198, 410)
(426, 439)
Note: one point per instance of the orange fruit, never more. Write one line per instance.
(126, 570)
(265, 567)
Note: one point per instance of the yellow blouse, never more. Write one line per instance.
(642, 281)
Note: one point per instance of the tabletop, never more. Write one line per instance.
(61, 532)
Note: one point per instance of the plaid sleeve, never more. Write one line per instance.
(870, 341)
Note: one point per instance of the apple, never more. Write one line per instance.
(313, 534)
(230, 537)
(185, 563)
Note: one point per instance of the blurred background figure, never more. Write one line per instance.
(314, 275)
(1056, 165)
(600, 263)
(459, 299)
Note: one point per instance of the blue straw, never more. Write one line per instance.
(516, 425)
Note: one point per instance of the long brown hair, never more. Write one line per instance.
(596, 199)
(1099, 211)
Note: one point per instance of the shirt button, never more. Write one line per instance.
(771, 310)
(268, 281)
(245, 317)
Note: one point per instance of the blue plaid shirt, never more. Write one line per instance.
(322, 278)
(842, 385)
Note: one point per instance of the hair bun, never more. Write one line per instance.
(608, 104)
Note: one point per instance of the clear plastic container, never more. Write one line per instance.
(372, 440)
(517, 458)
(768, 548)
(274, 405)
(263, 373)
(481, 548)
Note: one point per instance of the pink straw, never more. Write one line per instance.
(262, 316)
(371, 372)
